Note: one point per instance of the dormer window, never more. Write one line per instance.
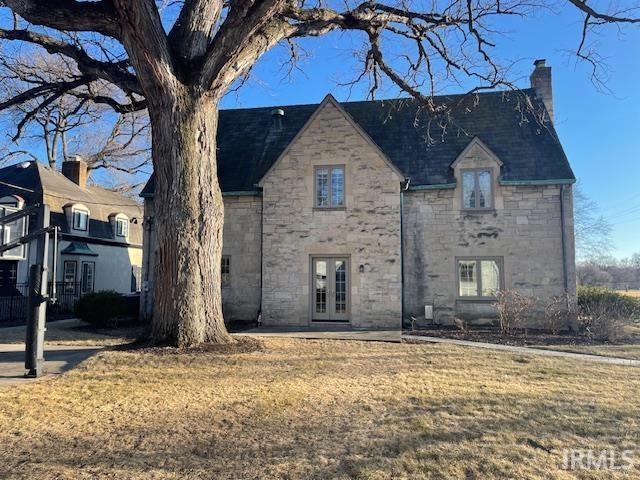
(80, 219)
(122, 227)
(477, 189)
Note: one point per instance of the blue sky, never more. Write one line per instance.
(599, 130)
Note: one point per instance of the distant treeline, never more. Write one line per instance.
(621, 274)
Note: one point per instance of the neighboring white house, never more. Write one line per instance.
(100, 241)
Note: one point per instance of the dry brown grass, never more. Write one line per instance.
(630, 293)
(319, 409)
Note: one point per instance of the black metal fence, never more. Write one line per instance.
(13, 302)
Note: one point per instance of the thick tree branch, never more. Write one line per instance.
(194, 29)
(112, 72)
(69, 15)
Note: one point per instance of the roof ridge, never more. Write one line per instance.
(381, 100)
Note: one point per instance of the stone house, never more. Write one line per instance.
(100, 241)
(368, 213)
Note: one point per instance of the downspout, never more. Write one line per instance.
(404, 186)
(259, 316)
(565, 276)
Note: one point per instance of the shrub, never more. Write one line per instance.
(602, 312)
(559, 312)
(105, 308)
(513, 309)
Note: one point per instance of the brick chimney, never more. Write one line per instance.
(75, 169)
(541, 82)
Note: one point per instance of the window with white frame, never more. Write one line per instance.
(80, 219)
(69, 276)
(122, 226)
(479, 277)
(329, 186)
(477, 189)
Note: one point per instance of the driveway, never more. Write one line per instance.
(58, 359)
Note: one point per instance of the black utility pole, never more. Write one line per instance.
(37, 303)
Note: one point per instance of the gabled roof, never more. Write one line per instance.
(249, 142)
(35, 182)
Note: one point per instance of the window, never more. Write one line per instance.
(80, 219)
(225, 270)
(69, 276)
(477, 190)
(329, 187)
(11, 232)
(122, 227)
(479, 277)
(88, 276)
(136, 278)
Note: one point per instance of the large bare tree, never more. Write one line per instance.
(178, 58)
(71, 124)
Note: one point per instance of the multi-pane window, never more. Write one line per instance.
(225, 269)
(479, 277)
(329, 187)
(88, 277)
(476, 190)
(80, 219)
(69, 276)
(122, 227)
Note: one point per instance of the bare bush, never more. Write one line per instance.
(603, 313)
(513, 310)
(559, 313)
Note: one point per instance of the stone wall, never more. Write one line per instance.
(241, 242)
(367, 230)
(524, 229)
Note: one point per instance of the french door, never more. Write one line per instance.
(330, 289)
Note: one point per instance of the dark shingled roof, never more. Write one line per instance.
(249, 143)
(34, 180)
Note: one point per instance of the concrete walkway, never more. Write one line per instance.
(58, 359)
(325, 333)
(523, 350)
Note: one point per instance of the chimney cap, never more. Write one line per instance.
(277, 112)
(74, 158)
(541, 62)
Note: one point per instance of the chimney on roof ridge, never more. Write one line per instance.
(541, 82)
(75, 169)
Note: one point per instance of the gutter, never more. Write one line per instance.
(565, 276)
(444, 186)
(404, 186)
(237, 193)
(561, 181)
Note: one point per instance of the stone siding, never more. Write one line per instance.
(524, 229)
(367, 230)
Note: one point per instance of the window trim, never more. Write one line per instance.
(329, 206)
(75, 210)
(125, 220)
(476, 184)
(82, 279)
(227, 282)
(70, 287)
(478, 259)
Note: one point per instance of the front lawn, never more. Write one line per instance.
(320, 409)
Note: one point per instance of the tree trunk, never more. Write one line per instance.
(189, 216)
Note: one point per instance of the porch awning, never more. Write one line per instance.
(78, 248)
